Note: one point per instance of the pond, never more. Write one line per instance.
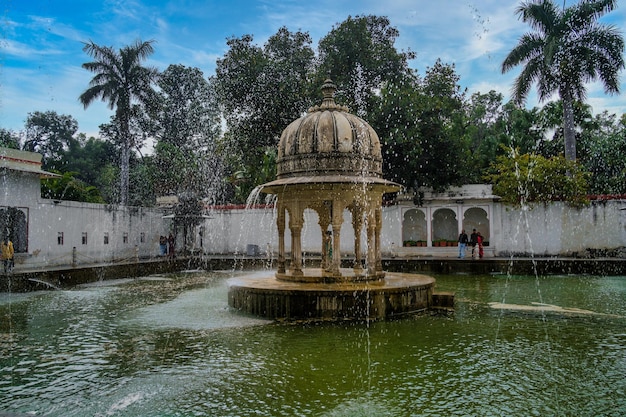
(169, 346)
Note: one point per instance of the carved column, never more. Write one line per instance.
(337, 221)
(323, 212)
(371, 241)
(280, 224)
(296, 219)
(357, 224)
(379, 227)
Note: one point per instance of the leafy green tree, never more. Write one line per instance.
(89, 158)
(261, 91)
(567, 49)
(528, 179)
(121, 80)
(186, 123)
(50, 134)
(186, 111)
(360, 56)
(9, 139)
(140, 185)
(240, 180)
(398, 116)
(549, 122)
(604, 154)
(518, 128)
(421, 124)
(174, 169)
(482, 133)
(443, 151)
(68, 187)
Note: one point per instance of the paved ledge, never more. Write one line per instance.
(515, 266)
(25, 279)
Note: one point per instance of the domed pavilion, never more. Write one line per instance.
(330, 161)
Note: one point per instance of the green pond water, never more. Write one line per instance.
(170, 346)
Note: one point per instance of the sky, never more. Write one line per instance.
(41, 42)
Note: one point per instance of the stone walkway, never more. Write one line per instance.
(25, 279)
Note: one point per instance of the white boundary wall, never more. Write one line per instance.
(557, 229)
(133, 232)
(546, 230)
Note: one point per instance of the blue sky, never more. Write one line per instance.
(41, 42)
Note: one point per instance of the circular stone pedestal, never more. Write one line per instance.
(261, 294)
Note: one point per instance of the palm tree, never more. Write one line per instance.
(567, 49)
(120, 80)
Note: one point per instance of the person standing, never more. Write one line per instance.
(473, 240)
(479, 242)
(7, 252)
(163, 245)
(462, 244)
(170, 249)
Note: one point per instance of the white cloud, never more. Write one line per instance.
(475, 35)
(17, 49)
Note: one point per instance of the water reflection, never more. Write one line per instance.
(170, 347)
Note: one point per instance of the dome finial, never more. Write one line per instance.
(328, 103)
(328, 89)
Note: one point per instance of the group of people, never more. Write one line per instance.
(475, 241)
(166, 244)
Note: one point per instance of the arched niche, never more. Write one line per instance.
(445, 225)
(477, 218)
(14, 225)
(414, 226)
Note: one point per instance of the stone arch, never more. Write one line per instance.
(445, 224)
(14, 224)
(414, 226)
(477, 218)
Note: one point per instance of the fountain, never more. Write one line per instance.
(330, 161)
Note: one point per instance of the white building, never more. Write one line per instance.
(56, 232)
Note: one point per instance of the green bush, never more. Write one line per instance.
(529, 178)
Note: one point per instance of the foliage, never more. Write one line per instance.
(68, 187)
(432, 133)
(120, 80)
(400, 129)
(567, 49)
(243, 182)
(604, 154)
(50, 134)
(360, 57)
(185, 121)
(9, 139)
(261, 91)
(185, 112)
(422, 121)
(482, 133)
(89, 158)
(526, 179)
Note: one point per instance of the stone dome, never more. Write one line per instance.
(327, 142)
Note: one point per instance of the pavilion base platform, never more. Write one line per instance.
(398, 294)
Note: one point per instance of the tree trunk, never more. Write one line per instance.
(124, 157)
(124, 172)
(569, 132)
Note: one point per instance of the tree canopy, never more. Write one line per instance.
(215, 139)
(120, 79)
(567, 49)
